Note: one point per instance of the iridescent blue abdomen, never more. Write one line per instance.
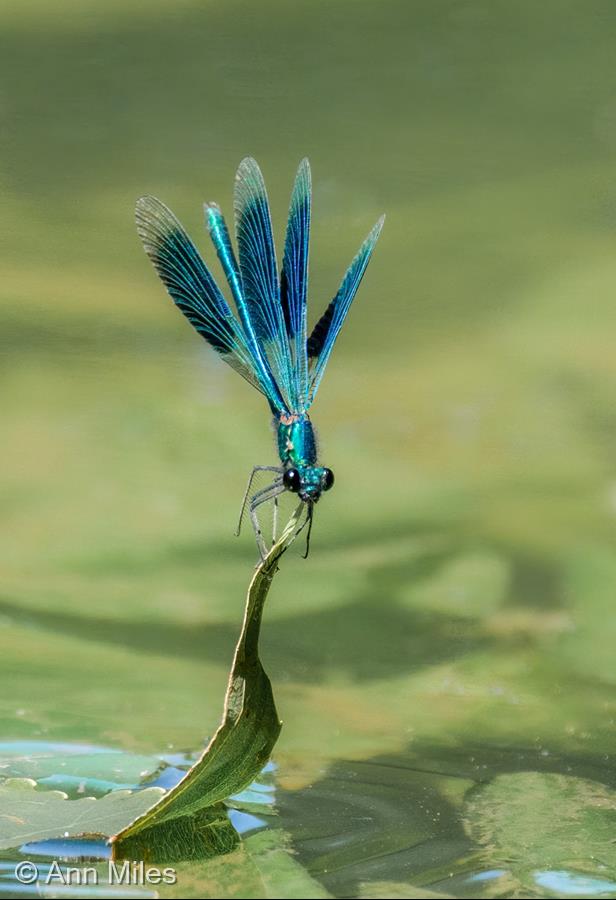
(297, 443)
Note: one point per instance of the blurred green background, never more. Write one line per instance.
(458, 602)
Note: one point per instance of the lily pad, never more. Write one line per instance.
(76, 769)
(28, 814)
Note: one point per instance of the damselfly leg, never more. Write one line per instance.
(256, 469)
(275, 520)
(270, 492)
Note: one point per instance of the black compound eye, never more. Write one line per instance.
(328, 479)
(292, 480)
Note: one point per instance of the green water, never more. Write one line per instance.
(444, 661)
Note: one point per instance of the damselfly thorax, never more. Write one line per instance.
(297, 448)
(298, 472)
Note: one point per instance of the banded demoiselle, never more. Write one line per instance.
(266, 340)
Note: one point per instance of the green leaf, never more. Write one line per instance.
(188, 822)
(27, 814)
(536, 824)
(238, 751)
(200, 834)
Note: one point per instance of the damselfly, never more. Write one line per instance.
(266, 340)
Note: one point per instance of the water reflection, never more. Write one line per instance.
(399, 823)
(385, 826)
(570, 884)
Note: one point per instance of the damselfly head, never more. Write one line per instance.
(308, 481)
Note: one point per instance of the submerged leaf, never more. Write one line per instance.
(263, 866)
(541, 825)
(279, 873)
